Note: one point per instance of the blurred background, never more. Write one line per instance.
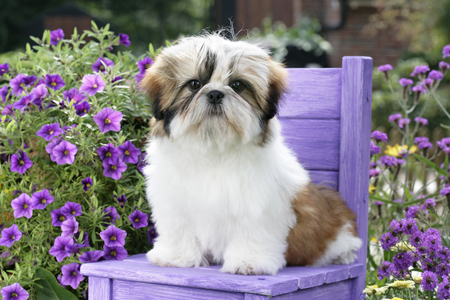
(301, 33)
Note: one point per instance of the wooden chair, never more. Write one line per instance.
(326, 122)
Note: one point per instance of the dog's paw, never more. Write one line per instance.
(247, 268)
(166, 259)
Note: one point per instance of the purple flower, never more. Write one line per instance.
(429, 203)
(419, 89)
(144, 64)
(411, 211)
(54, 81)
(421, 121)
(444, 66)
(56, 36)
(17, 85)
(59, 248)
(429, 281)
(58, 217)
(20, 162)
(394, 117)
(432, 239)
(92, 84)
(378, 203)
(14, 292)
(388, 161)
(72, 209)
(7, 111)
(124, 39)
(71, 275)
(69, 227)
(444, 288)
(115, 169)
(4, 93)
(402, 122)
(41, 199)
(82, 108)
(395, 227)
(50, 146)
(29, 80)
(91, 256)
(24, 101)
(443, 269)
(388, 240)
(39, 92)
(113, 236)
(122, 199)
(402, 261)
(114, 253)
(64, 153)
(443, 254)
(22, 206)
(409, 226)
(110, 214)
(142, 163)
(101, 64)
(445, 190)
(108, 120)
(405, 81)
(130, 154)
(138, 219)
(87, 183)
(49, 131)
(416, 238)
(420, 70)
(374, 149)
(108, 153)
(446, 51)
(74, 95)
(117, 79)
(10, 235)
(139, 76)
(374, 172)
(152, 235)
(379, 136)
(436, 75)
(385, 68)
(4, 68)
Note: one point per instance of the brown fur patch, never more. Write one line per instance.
(320, 215)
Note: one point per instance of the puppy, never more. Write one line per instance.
(223, 186)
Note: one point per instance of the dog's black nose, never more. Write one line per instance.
(215, 97)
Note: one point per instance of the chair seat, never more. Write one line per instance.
(135, 278)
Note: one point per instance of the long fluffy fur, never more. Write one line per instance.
(223, 186)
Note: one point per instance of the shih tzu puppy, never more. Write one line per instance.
(222, 184)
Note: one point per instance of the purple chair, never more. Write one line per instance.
(326, 121)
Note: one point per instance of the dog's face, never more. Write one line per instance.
(215, 90)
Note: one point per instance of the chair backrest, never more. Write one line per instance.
(326, 122)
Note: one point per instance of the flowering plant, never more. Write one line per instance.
(72, 129)
(410, 186)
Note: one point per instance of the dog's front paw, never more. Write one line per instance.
(163, 258)
(249, 267)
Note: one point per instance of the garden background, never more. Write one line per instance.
(73, 126)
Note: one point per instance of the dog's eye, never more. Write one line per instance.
(194, 85)
(238, 86)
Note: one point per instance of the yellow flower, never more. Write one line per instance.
(403, 284)
(398, 150)
(370, 289)
(402, 246)
(397, 298)
(381, 290)
(372, 188)
(417, 278)
(373, 240)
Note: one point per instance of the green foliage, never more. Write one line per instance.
(47, 288)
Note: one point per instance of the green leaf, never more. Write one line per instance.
(48, 288)
(445, 126)
(431, 164)
(383, 200)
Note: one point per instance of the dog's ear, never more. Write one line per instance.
(152, 84)
(277, 86)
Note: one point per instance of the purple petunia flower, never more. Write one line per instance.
(144, 64)
(64, 153)
(420, 70)
(87, 183)
(71, 275)
(117, 79)
(139, 76)
(108, 120)
(4, 93)
(138, 219)
(130, 154)
(101, 64)
(379, 136)
(14, 292)
(82, 108)
(113, 236)
(49, 131)
(114, 170)
(411, 212)
(152, 235)
(41, 199)
(394, 117)
(10, 235)
(56, 36)
(374, 149)
(403, 122)
(443, 291)
(385, 68)
(17, 85)
(405, 81)
(429, 281)
(7, 111)
(59, 248)
(74, 95)
(25, 101)
(92, 84)
(54, 81)
(444, 66)
(69, 227)
(114, 253)
(446, 51)
(39, 92)
(110, 214)
(436, 75)
(142, 163)
(22, 206)
(58, 217)
(91, 256)
(20, 162)
(122, 199)
(29, 80)
(72, 209)
(124, 39)
(4, 68)
(50, 146)
(108, 153)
